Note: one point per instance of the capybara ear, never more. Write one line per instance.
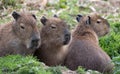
(43, 20)
(78, 17)
(88, 21)
(15, 15)
(34, 16)
(55, 16)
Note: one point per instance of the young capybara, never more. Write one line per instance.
(20, 36)
(54, 36)
(84, 49)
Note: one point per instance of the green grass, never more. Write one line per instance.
(16, 64)
(116, 61)
(111, 42)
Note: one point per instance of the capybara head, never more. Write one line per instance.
(25, 28)
(55, 31)
(99, 24)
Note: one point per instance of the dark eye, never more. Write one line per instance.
(98, 21)
(22, 27)
(53, 26)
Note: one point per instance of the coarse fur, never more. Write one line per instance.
(54, 36)
(20, 36)
(84, 49)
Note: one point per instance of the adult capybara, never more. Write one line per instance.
(54, 35)
(84, 49)
(20, 36)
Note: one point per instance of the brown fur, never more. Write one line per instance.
(52, 50)
(16, 37)
(84, 49)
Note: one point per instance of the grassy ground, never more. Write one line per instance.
(66, 10)
(16, 64)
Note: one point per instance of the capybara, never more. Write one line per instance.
(84, 49)
(20, 36)
(54, 36)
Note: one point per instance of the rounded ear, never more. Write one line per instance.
(43, 20)
(15, 15)
(55, 16)
(88, 21)
(78, 17)
(34, 16)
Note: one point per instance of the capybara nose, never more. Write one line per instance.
(67, 38)
(35, 43)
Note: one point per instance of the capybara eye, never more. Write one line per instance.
(98, 21)
(53, 26)
(22, 26)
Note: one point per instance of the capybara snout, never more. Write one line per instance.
(67, 37)
(35, 42)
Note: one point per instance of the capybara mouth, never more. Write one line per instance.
(67, 39)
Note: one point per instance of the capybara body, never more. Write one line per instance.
(84, 49)
(54, 35)
(20, 36)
